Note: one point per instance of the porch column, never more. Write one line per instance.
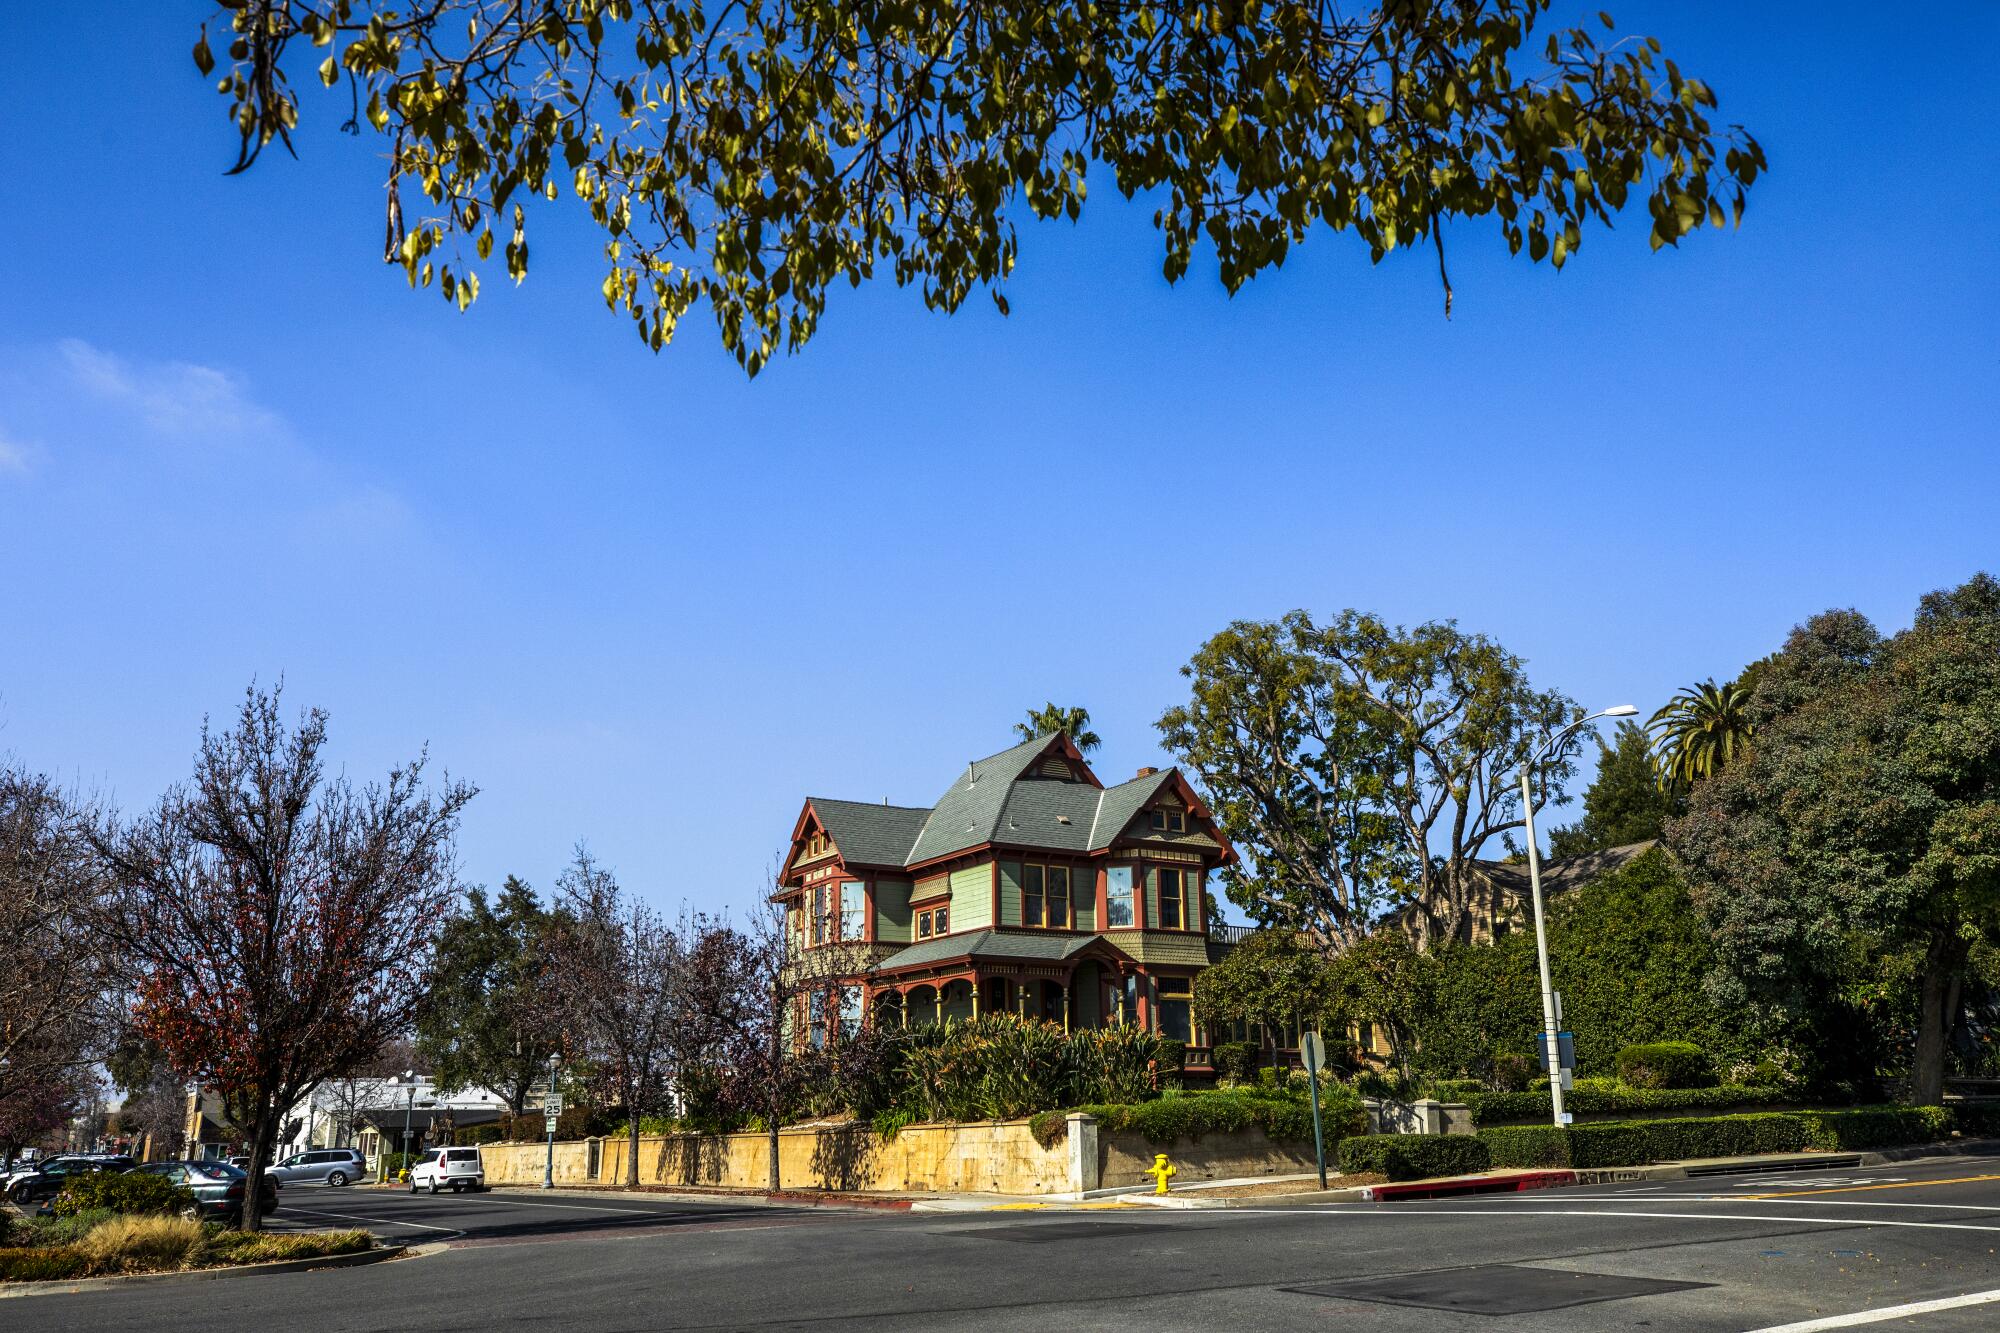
(975, 995)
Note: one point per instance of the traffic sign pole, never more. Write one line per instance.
(1312, 1051)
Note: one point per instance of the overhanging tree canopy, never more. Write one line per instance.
(752, 155)
(1867, 806)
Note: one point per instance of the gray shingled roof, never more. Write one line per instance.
(1025, 945)
(991, 804)
(968, 814)
(1117, 806)
(1567, 873)
(876, 835)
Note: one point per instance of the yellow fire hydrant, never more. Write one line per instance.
(1162, 1171)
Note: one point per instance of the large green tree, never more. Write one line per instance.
(1358, 765)
(494, 1018)
(1869, 808)
(756, 154)
(1701, 731)
(1623, 805)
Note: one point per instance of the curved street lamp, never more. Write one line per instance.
(1550, 1027)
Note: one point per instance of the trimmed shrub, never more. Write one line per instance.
(1977, 1118)
(1235, 1059)
(1877, 1126)
(134, 1192)
(1456, 1089)
(47, 1231)
(1189, 1115)
(1527, 1145)
(1666, 1064)
(1413, 1156)
(1596, 1097)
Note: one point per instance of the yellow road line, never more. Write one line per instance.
(1857, 1189)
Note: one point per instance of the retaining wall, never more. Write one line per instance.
(990, 1157)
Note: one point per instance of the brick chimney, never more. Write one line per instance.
(1144, 773)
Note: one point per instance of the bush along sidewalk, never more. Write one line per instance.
(1282, 1114)
(1500, 1108)
(1413, 1156)
(1640, 1142)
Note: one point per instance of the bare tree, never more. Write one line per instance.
(53, 981)
(797, 965)
(278, 925)
(617, 965)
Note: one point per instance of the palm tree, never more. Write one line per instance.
(1076, 721)
(1699, 732)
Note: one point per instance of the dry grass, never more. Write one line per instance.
(143, 1244)
(167, 1244)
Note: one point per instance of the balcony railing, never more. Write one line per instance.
(1227, 934)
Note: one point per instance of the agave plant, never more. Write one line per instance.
(1698, 733)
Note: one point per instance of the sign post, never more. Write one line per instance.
(552, 1106)
(1312, 1051)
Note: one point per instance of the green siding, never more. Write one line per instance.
(1083, 1006)
(892, 910)
(972, 898)
(1010, 893)
(1083, 898)
(1166, 946)
(1153, 896)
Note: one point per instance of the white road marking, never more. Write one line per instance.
(1808, 1203)
(636, 1212)
(1343, 1210)
(1885, 1313)
(377, 1221)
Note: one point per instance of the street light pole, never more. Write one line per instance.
(409, 1106)
(1551, 1029)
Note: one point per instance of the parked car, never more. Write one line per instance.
(455, 1169)
(219, 1188)
(321, 1166)
(46, 1183)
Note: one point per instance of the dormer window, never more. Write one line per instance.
(1167, 821)
(1176, 822)
(1158, 819)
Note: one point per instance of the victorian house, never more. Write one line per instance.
(1030, 888)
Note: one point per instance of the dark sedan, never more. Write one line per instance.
(217, 1187)
(48, 1182)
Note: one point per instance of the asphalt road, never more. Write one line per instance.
(1732, 1253)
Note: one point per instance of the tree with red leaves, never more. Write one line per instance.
(279, 926)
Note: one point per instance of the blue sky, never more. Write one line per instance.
(644, 603)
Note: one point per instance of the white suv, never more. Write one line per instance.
(454, 1169)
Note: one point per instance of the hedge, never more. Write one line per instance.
(1498, 1108)
(1191, 1115)
(1639, 1142)
(1413, 1156)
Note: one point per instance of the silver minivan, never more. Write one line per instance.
(322, 1166)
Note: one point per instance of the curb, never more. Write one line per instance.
(750, 1198)
(1512, 1182)
(12, 1290)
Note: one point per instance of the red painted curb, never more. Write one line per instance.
(1436, 1189)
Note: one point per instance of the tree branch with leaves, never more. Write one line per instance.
(754, 156)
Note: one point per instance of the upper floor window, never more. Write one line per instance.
(853, 911)
(817, 927)
(935, 921)
(1168, 821)
(1045, 896)
(818, 844)
(1173, 901)
(1118, 896)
